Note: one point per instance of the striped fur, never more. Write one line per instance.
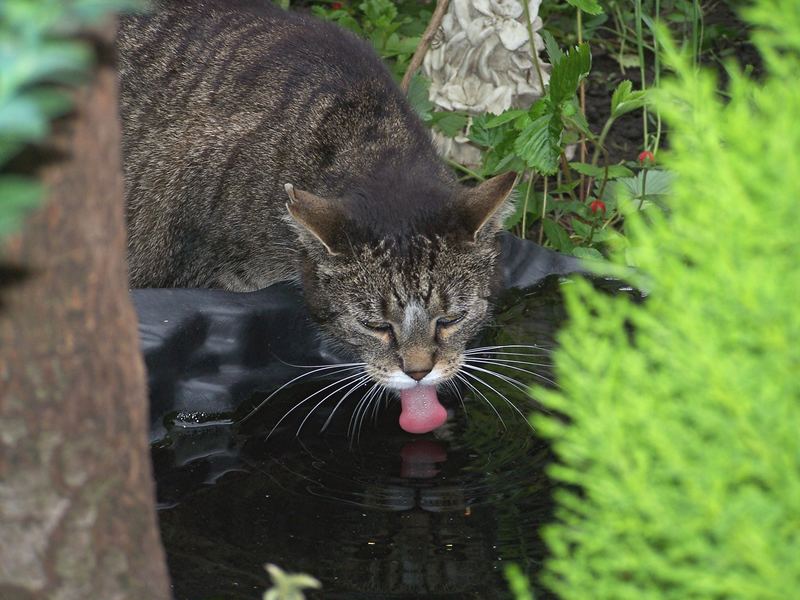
(224, 102)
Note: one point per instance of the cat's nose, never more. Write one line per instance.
(417, 363)
(417, 375)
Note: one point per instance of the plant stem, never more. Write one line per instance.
(622, 33)
(601, 140)
(582, 96)
(566, 174)
(644, 187)
(697, 32)
(467, 170)
(603, 184)
(531, 41)
(657, 76)
(642, 70)
(544, 210)
(424, 43)
(525, 207)
(591, 231)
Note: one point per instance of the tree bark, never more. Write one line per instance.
(77, 518)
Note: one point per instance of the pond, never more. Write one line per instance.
(376, 513)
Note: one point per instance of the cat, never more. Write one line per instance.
(261, 145)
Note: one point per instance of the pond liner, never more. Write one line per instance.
(207, 352)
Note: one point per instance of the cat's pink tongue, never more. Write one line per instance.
(422, 411)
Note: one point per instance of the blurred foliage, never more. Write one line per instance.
(289, 586)
(40, 62)
(393, 27)
(680, 450)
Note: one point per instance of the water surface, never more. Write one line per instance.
(378, 514)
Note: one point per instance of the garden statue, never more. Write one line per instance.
(480, 61)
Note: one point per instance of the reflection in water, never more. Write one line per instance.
(384, 515)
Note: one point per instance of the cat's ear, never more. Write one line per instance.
(487, 205)
(320, 217)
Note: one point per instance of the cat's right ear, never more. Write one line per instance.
(487, 205)
(321, 218)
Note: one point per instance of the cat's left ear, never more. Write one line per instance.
(320, 217)
(488, 204)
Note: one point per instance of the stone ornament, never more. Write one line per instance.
(480, 61)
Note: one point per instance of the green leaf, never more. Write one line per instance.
(488, 138)
(54, 61)
(449, 123)
(580, 228)
(504, 117)
(51, 102)
(568, 73)
(418, 96)
(539, 144)
(587, 253)
(22, 118)
(510, 162)
(588, 6)
(18, 195)
(557, 236)
(532, 208)
(565, 187)
(624, 99)
(614, 171)
(554, 53)
(578, 121)
(657, 183)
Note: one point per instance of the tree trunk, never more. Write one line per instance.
(77, 518)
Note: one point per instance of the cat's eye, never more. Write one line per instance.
(450, 320)
(378, 326)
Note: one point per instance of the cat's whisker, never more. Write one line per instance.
(513, 361)
(495, 353)
(375, 402)
(338, 382)
(506, 366)
(500, 346)
(353, 385)
(340, 402)
(377, 405)
(515, 382)
(451, 384)
(356, 418)
(522, 351)
(353, 364)
(339, 369)
(503, 377)
(466, 382)
(361, 402)
(503, 396)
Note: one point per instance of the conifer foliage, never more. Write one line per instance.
(681, 447)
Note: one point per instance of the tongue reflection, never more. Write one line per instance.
(422, 411)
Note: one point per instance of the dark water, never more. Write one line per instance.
(382, 514)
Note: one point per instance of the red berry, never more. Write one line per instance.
(646, 157)
(337, 5)
(597, 206)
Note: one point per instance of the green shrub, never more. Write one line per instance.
(682, 447)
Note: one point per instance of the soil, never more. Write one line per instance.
(727, 37)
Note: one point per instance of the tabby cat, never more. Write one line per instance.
(261, 145)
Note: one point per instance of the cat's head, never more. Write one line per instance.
(406, 284)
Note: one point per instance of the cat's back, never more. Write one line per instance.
(223, 54)
(225, 101)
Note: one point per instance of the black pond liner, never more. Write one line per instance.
(375, 514)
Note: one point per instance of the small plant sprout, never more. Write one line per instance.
(288, 586)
